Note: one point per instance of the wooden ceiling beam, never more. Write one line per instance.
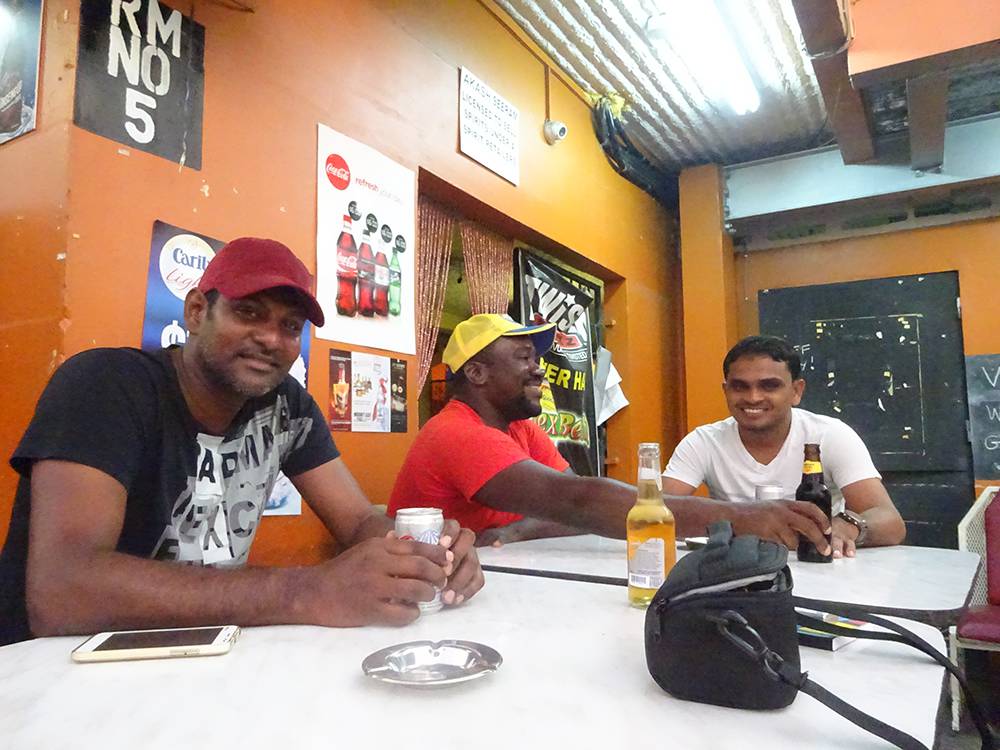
(927, 104)
(826, 42)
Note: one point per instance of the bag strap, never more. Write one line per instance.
(750, 642)
(899, 634)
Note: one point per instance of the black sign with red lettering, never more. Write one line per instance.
(568, 410)
(140, 77)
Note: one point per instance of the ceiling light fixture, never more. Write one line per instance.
(6, 24)
(696, 33)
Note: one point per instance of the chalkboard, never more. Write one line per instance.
(982, 378)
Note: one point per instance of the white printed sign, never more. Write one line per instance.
(488, 128)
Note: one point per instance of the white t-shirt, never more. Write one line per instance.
(715, 455)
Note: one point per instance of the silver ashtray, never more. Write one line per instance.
(430, 664)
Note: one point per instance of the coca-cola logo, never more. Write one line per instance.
(337, 171)
(183, 259)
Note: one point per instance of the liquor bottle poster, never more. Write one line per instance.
(140, 77)
(20, 48)
(340, 390)
(177, 258)
(568, 404)
(364, 245)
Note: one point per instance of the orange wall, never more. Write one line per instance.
(708, 281)
(33, 230)
(385, 73)
(889, 32)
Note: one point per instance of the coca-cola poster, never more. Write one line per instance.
(140, 77)
(568, 407)
(364, 244)
(20, 46)
(177, 259)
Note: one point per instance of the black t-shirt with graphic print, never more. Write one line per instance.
(192, 497)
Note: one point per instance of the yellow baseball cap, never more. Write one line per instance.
(473, 335)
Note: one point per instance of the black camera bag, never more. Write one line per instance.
(722, 630)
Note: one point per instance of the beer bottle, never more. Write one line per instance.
(650, 531)
(813, 490)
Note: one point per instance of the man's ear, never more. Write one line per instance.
(798, 388)
(476, 372)
(195, 310)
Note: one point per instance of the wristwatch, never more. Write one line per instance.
(857, 521)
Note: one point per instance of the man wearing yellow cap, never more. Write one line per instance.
(486, 463)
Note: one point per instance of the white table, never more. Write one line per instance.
(574, 676)
(884, 577)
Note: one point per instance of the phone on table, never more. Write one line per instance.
(165, 643)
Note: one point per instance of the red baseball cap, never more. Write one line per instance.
(248, 265)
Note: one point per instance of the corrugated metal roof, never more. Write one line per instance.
(603, 46)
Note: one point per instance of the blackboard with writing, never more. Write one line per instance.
(982, 377)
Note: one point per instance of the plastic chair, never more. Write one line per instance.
(979, 626)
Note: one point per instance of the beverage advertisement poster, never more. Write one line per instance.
(370, 381)
(177, 259)
(568, 404)
(140, 77)
(367, 392)
(340, 390)
(364, 245)
(397, 419)
(20, 47)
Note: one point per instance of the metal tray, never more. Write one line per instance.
(430, 664)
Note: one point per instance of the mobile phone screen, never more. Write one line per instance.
(152, 639)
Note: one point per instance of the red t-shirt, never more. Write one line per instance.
(455, 454)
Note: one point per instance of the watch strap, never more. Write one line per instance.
(858, 522)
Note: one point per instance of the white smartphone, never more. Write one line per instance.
(165, 643)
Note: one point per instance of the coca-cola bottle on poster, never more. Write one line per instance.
(382, 275)
(347, 271)
(366, 277)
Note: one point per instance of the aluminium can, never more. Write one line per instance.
(422, 525)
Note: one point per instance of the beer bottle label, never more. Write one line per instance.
(646, 563)
(812, 467)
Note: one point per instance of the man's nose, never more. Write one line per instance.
(268, 333)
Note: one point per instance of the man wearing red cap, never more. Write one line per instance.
(484, 460)
(136, 460)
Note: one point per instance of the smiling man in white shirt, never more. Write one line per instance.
(762, 442)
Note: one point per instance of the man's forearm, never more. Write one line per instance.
(885, 527)
(111, 590)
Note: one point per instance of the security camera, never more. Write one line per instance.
(554, 131)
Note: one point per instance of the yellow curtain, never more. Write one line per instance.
(435, 230)
(489, 267)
